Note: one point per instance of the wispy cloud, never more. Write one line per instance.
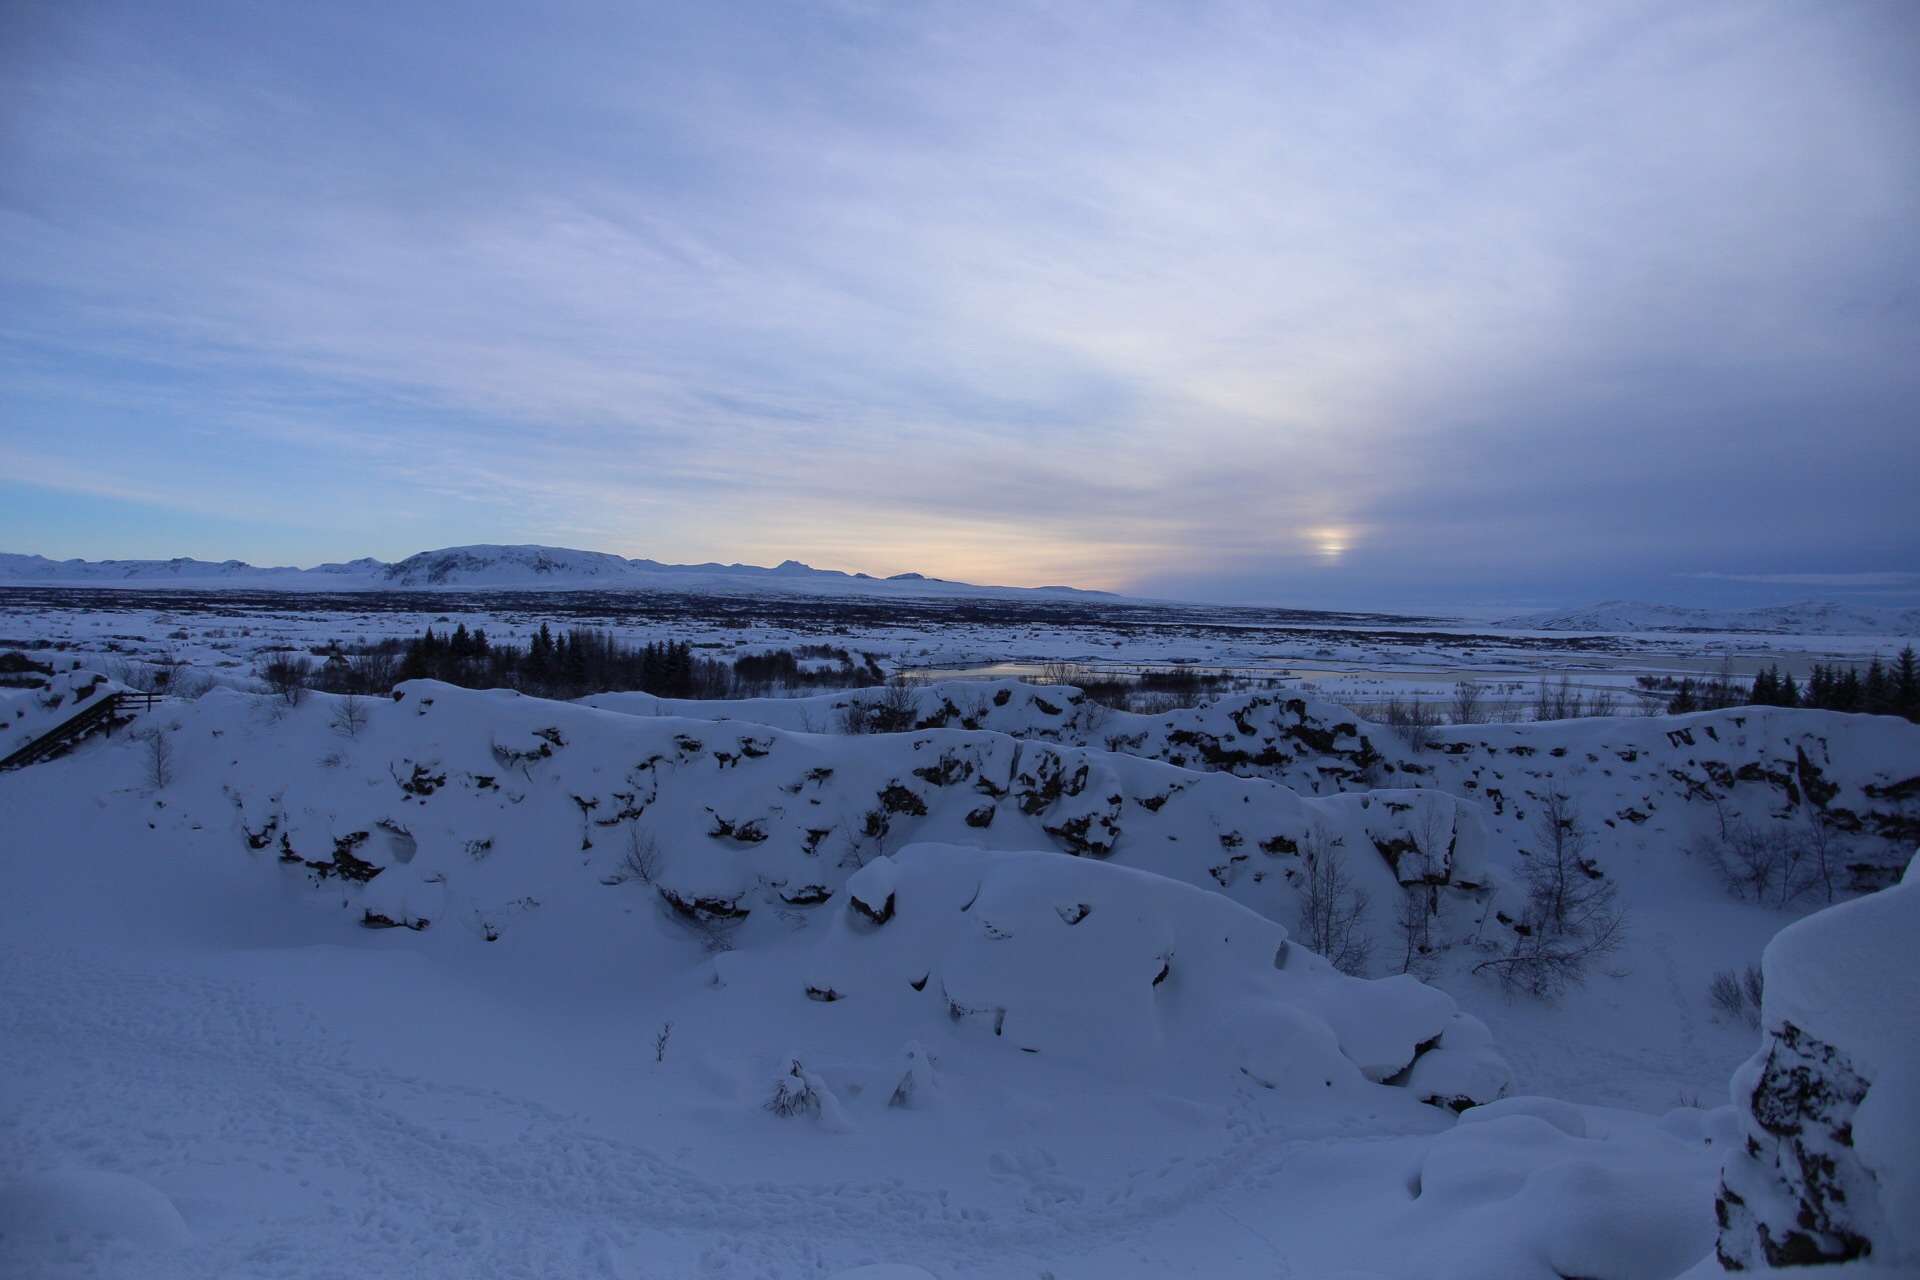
(1817, 579)
(1109, 294)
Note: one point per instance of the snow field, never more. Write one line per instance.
(195, 1007)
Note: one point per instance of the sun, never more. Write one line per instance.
(1330, 543)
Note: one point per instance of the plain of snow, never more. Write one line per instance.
(215, 1069)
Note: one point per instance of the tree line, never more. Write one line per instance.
(1882, 689)
(584, 660)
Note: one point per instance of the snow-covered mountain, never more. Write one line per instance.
(1807, 618)
(490, 565)
(36, 569)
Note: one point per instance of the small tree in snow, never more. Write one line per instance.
(350, 715)
(1414, 719)
(1422, 869)
(1773, 863)
(1558, 875)
(794, 1093)
(288, 675)
(1413, 924)
(157, 758)
(1573, 915)
(1333, 911)
(1469, 705)
(641, 861)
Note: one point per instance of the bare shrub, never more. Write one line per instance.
(1573, 915)
(350, 714)
(1775, 864)
(1824, 849)
(1558, 876)
(146, 675)
(1333, 911)
(1414, 720)
(1413, 918)
(899, 705)
(1545, 965)
(852, 717)
(1469, 703)
(1724, 993)
(1421, 869)
(186, 683)
(287, 676)
(641, 858)
(891, 710)
(156, 758)
(1156, 703)
(1093, 714)
(374, 672)
(164, 672)
(1557, 701)
(1738, 994)
(973, 710)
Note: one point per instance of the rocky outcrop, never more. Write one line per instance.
(1829, 1170)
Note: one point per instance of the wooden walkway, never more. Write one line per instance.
(97, 716)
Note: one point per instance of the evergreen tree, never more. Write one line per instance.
(1684, 699)
(1847, 691)
(1876, 691)
(540, 657)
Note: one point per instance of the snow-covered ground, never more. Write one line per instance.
(469, 983)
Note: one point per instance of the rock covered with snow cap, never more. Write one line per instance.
(1830, 1106)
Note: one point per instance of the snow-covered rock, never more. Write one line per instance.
(1124, 973)
(1534, 1187)
(1830, 1106)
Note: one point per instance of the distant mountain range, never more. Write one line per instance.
(519, 568)
(489, 566)
(1810, 618)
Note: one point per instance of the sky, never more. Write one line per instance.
(1358, 304)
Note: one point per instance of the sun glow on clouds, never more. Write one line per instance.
(1330, 543)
